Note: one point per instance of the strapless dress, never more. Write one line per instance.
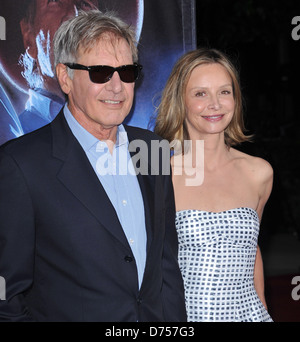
(217, 253)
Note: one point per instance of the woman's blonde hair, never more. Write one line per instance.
(170, 121)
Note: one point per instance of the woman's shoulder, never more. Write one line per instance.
(258, 167)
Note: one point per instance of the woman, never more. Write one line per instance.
(218, 217)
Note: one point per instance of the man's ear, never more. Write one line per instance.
(28, 38)
(63, 78)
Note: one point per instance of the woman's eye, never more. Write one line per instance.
(200, 94)
(226, 92)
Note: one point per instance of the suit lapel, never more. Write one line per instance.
(78, 176)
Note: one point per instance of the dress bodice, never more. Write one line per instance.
(217, 253)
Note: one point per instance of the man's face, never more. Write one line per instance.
(101, 107)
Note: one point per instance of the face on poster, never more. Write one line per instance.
(29, 93)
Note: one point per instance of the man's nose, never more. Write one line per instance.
(115, 84)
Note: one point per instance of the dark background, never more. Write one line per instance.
(257, 35)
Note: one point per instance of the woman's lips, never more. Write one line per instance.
(213, 118)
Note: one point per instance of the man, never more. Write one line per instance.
(77, 243)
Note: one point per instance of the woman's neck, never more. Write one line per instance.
(216, 152)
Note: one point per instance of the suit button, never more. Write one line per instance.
(128, 258)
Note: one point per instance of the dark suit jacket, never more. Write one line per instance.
(63, 252)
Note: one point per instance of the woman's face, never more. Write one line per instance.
(209, 100)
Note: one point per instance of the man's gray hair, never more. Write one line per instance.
(85, 30)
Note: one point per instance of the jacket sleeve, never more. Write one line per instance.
(16, 240)
(172, 291)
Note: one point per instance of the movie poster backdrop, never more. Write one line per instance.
(29, 94)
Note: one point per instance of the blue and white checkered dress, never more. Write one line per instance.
(216, 256)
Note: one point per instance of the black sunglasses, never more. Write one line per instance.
(103, 73)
